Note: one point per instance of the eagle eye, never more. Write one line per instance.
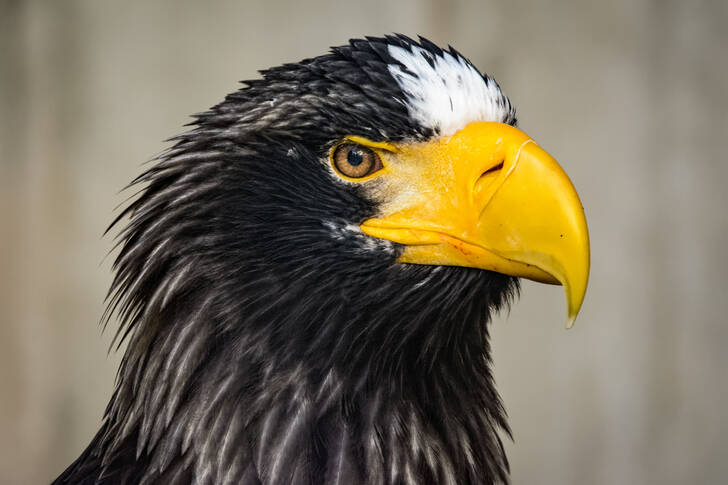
(355, 161)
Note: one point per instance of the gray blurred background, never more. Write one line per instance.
(630, 96)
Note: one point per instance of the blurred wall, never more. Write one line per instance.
(629, 95)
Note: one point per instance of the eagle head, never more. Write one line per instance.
(306, 276)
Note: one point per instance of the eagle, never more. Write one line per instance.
(305, 278)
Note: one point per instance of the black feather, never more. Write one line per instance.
(266, 343)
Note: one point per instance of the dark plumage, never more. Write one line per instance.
(267, 342)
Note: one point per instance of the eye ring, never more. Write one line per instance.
(355, 161)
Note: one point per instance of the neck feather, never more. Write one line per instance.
(394, 392)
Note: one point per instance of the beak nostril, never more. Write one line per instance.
(493, 169)
(484, 183)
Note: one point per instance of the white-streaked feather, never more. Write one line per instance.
(447, 94)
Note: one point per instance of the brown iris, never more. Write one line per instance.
(355, 161)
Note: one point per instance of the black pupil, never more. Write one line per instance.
(355, 157)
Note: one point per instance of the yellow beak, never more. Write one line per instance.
(487, 197)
